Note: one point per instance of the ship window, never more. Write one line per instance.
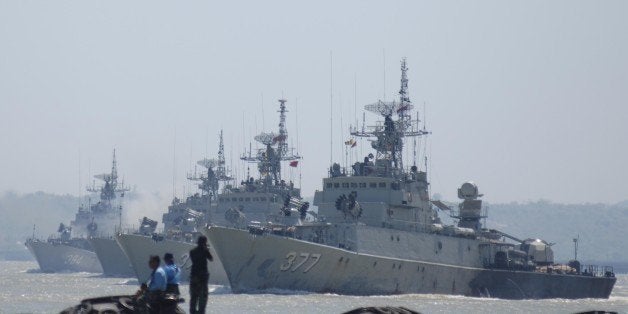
(241, 199)
(248, 199)
(362, 185)
(382, 184)
(372, 185)
(329, 185)
(234, 199)
(394, 186)
(345, 185)
(256, 199)
(263, 199)
(354, 185)
(336, 185)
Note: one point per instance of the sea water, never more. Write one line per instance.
(26, 290)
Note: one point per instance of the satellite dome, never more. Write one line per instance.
(468, 190)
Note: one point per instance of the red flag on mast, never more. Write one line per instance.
(294, 163)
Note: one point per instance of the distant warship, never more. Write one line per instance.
(379, 233)
(268, 198)
(71, 250)
(180, 225)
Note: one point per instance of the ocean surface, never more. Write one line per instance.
(26, 290)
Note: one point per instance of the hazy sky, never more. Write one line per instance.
(526, 98)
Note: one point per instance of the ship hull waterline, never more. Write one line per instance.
(263, 262)
(138, 249)
(111, 257)
(63, 258)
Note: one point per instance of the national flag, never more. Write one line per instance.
(354, 144)
(294, 163)
(350, 142)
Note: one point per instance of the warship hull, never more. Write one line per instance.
(263, 262)
(112, 259)
(63, 258)
(138, 248)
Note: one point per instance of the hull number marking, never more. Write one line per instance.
(296, 261)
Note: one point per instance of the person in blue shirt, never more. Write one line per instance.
(154, 291)
(173, 274)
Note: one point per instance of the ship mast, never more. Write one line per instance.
(390, 133)
(275, 151)
(210, 182)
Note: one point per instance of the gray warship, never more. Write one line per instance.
(258, 201)
(379, 233)
(71, 250)
(180, 225)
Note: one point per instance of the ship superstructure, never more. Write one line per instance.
(378, 232)
(269, 198)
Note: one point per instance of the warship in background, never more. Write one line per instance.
(180, 225)
(112, 258)
(71, 250)
(269, 198)
(379, 233)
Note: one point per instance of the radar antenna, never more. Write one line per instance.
(276, 150)
(210, 181)
(390, 133)
(111, 186)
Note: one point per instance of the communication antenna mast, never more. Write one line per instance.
(283, 132)
(275, 150)
(331, 108)
(221, 169)
(390, 133)
(174, 165)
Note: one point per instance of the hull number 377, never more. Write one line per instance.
(294, 261)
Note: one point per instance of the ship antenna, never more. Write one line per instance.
(296, 120)
(221, 158)
(331, 108)
(80, 187)
(384, 63)
(355, 106)
(343, 147)
(262, 100)
(174, 165)
(575, 247)
(414, 144)
(283, 132)
(296, 123)
(114, 170)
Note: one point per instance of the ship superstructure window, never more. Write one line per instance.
(372, 185)
(354, 185)
(263, 199)
(241, 199)
(336, 185)
(256, 199)
(345, 185)
(382, 184)
(234, 199)
(329, 185)
(362, 184)
(248, 199)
